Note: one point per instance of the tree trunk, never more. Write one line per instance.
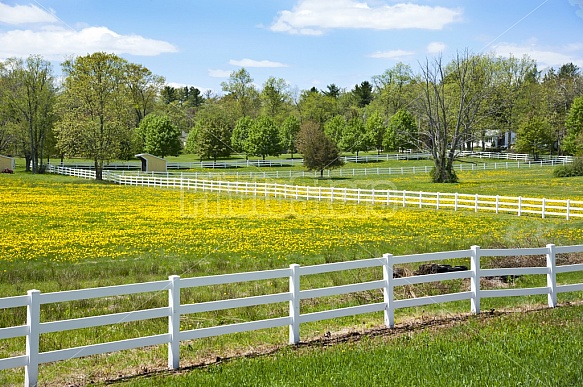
(27, 160)
(98, 171)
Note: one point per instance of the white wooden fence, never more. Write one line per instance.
(524, 158)
(34, 327)
(349, 172)
(565, 208)
(456, 201)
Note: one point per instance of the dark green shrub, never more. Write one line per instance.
(569, 170)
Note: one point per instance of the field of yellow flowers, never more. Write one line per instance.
(60, 233)
(55, 221)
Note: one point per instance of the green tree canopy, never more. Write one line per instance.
(375, 130)
(319, 151)
(263, 138)
(288, 132)
(211, 136)
(334, 127)
(242, 92)
(95, 105)
(402, 131)
(573, 142)
(534, 136)
(240, 134)
(160, 136)
(28, 96)
(354, 137)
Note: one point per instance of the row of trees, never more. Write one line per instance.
(107, 108)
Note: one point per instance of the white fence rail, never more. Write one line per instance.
(524, 158)
(34, 327)
(456, 201)
(565, 208)
(349, 172)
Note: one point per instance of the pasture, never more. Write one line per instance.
(63, 233)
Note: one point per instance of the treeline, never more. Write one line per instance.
(107, 108)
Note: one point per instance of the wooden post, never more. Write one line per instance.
(568, 208)
(475, 279)
(174, 322)
(551, 276)
(388, 290)
(32, 339)
(294, 304)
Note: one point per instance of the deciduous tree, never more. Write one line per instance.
(263, 138)
(402, 131)
(450, 107)
(211, 136)
(241, 90)
(160, 137)
(319, 151)
(375, 130)
(95, 105)
(354, 137)
(573, 142)
(288, 132)
(534, 136)
(29, 94)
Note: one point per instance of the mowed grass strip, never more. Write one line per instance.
(536, 348)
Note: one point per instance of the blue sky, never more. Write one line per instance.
(306, 42)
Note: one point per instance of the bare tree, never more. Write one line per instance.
(450, 107)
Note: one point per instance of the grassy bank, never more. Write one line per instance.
(536, 348)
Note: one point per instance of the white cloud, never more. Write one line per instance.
(312, 17)
(392, 54)
(545, 58)
(219, 73)
(256, 63)
(578, 3)
(436, 47)
(56, 42)
(22, 14)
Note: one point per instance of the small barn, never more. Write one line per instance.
(151, 163)
(6, 163)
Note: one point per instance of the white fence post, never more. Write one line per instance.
(568, 208)
(519, 205)
(551, 276)
(174, 322)
(475, 279)
(32, 339)
(388, 290)
(294, 304)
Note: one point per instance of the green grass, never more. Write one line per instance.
(537, 348)
(100, 234)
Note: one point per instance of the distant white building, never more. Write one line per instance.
(496, 140)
